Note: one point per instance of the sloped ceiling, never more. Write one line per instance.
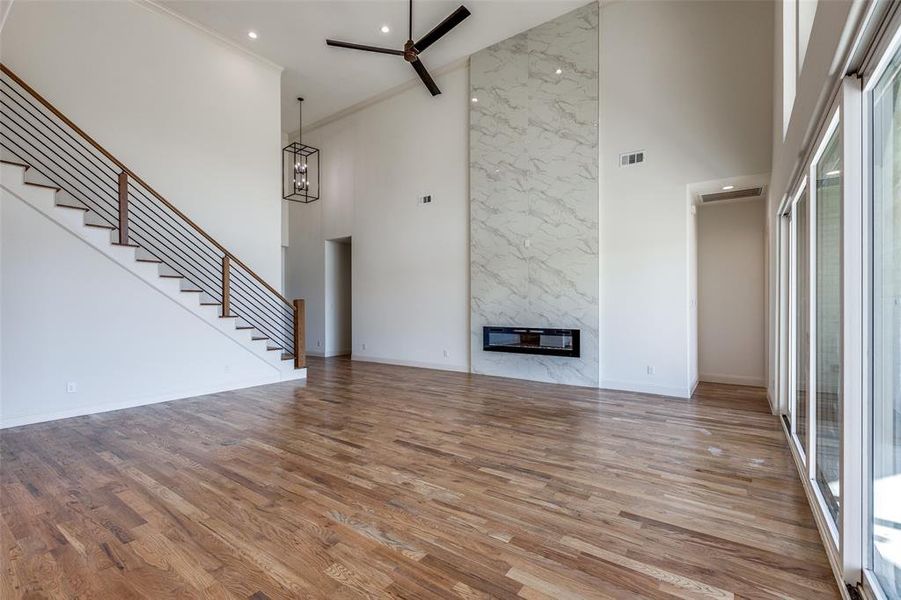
(292, 33)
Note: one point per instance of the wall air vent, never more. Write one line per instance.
(631, 158)
(752, 192)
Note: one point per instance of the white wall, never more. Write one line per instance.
(410, 262)
(338, 297)
(828, 37)
(195, 118)
(690, 83)
(731, 315)
(692, 296)
(71, 314)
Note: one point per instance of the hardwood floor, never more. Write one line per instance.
(379, 481)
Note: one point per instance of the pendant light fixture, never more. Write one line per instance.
(300, 168)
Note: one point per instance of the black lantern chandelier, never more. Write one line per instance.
(300, 168)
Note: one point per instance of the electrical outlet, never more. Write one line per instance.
(651, 370)
(445, 353)
(319, 343)
(364, 346)
(71, 387)
(426, 199)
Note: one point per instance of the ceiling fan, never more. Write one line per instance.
(412, 50)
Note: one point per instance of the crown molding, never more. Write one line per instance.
(153, 6)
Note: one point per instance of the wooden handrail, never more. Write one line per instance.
(131, 174)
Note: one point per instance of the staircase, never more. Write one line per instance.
(60, 171)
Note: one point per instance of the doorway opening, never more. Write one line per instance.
(338, 297)
(731, 285)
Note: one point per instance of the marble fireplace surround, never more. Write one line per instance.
(534, 194)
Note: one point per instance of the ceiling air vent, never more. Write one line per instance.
(732, 195)
(631, 158)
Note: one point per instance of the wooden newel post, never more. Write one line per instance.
(226, 285)
(123, 208)
(300, 348)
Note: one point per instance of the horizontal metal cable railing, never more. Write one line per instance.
(41, 137)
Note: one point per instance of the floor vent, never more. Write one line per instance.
(753, 192)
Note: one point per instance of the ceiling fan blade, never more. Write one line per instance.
(426, 78)
(443, 27)
(362, 47)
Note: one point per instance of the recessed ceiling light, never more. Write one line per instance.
(252, 35)
(474, 99)
(726, 188)
(558, 71)
(385, 29)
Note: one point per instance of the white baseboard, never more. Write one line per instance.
(734, 379)
(331, 353)
(81, 411)
(410, 363)
(328, 353)
(645, 388)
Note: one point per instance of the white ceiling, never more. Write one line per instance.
(292, 34)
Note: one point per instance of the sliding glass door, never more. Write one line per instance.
(828, 323)
(839, 319)
(801, 323)
(885, 491)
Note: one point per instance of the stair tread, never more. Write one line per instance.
(125, 245)
(172, 276)
(271, 348)
(100, 225)
(239, 326)
(209, 304)
(73, 207)
(149, 260)
(15, 164)
(258, 338)
(43, 185)
(287, 356)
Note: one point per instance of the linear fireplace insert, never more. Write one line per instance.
(531, 340)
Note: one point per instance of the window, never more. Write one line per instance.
(827, 330)
(789, 59)
(885, 509)
(807, 10)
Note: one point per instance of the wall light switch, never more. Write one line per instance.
(364, 346)
(71, 387)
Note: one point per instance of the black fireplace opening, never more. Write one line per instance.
(531, 340)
